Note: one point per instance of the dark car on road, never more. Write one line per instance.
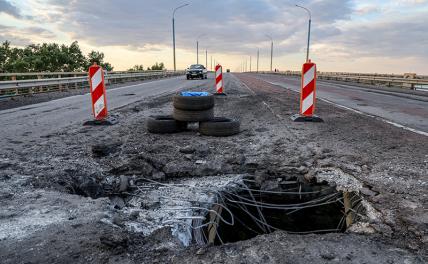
(196, 71)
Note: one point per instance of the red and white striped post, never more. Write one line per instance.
(219, 80)
(308, 94)
(98, 92)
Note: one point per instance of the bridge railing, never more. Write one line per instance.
(61, 81)
(407, 81)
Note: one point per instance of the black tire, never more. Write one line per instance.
(193, 116)
(219, 127)
(193, 103)
(164, 125)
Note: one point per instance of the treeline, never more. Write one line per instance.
(48, 58)
(155, 67)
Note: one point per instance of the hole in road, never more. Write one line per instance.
(296, 208)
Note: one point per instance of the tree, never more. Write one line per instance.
(137, 68)
(98, 57)
(4, 55)
(48, 58)
(157, 67)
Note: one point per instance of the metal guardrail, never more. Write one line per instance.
(407, 81)
(15, 87)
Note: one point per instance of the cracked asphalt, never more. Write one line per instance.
(46, 178)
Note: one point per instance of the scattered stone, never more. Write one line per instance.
(361, 228)
(188, 156)
(117, 220)
(114, 240)
(124, 183)
(117, 202)
(203, 150)
(187, 150)
(90, 188)
(200, 162)
(201, 251)
(328, 256)
(262, 129)
(158, 175)
(175, 169)
(367, 192)
(103, 150)
(5, 195)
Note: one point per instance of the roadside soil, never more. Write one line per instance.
(56, 192)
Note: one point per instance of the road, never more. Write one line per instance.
(45, 118)
(403, 109)
(41, 119)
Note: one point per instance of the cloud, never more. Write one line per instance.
(8, 8)
(24, 36)
(341, 29)
(393, 39)
(230, 26)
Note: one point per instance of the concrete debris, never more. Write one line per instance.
(187, 150)
(335, 176)
(168, 204)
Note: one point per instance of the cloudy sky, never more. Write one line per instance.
(347, 35)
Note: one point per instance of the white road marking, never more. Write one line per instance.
(365, 114)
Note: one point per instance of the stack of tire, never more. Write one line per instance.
(194, 107)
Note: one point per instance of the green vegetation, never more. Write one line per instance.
(157, 67)
(48, 58)
(137, 68)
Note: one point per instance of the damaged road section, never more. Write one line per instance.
(350, 190)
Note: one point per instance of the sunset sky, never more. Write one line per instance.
(347, 35)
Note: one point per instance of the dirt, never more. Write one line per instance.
(61, 198)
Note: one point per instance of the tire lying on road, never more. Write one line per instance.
(193, 116)
(164, 124)
(219, 127)
(193, 103)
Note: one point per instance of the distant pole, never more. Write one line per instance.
(206, 59)
(211, 62)
(258, 53)
(197, 48)
(173, 32)
(250, 63)
(271, 51)
(309, 31)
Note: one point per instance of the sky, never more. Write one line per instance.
(347, 35)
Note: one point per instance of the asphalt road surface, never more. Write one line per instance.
(44, 118)
(403, 109)
(41, 119)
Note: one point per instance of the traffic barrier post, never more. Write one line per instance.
(219, 80)
(98, 96)
(308, 94)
